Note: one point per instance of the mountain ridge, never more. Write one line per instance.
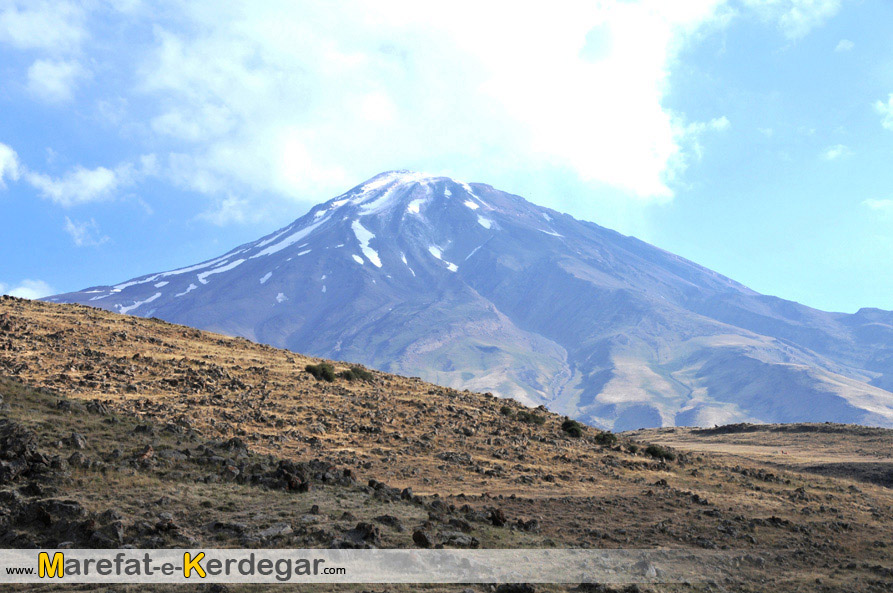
(471, 287)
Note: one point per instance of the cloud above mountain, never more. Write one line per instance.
(649, 117)
(27, 289)
(280, 99)
(304, 92)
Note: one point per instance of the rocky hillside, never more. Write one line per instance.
(118, 430)
(474, 288)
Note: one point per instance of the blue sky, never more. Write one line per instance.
(754, 138)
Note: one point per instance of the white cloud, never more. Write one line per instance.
(294, 100)
(80, 185)
(300, 100)
(28, 289)
(882, 206)
(694, 132)
(51, 26)
(795, 18)
(54, 80)
(9, 164)
(845, 45)
(835, 152)
(231, 209)
(886, 111)
(720, 124)
(84, 233)
(112, 111)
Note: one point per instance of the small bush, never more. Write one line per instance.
(606, 438)
(530, 417)
(357, 374)
(659, 452)
(633, 448)
(572, 428)
(506, 410)
(322, 371)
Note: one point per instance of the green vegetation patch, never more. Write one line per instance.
(659, 452)
(606, 438)
(322, 371)
(572, 428)
(530, 417)
(356, 373)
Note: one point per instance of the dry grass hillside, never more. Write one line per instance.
(165, 435)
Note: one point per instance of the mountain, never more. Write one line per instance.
(474, 288)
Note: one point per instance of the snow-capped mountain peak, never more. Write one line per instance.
(476, 288)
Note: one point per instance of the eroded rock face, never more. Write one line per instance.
(19, 456)
(29, 515)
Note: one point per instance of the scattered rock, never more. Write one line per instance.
(497, 517)
(516, 588)
(459, 540)
(276, 530)
(422, 539)
(390, 521)
(364, 535)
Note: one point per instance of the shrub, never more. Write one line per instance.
(322, 371)
(357, 374)
(506, 410)
(659, 452)
(633, 448)
(530, 417)
(606, 438)
(572, 428)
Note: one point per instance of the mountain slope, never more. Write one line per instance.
(120, 431)
(471, 287)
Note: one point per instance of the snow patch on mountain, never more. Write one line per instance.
(291, 239)
(403, 257)
(364, 235)
(382, 201)
(438, 253)
(203, 276)
(122, 286)
(122, 309)
(266, 277)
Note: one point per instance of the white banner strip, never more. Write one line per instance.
(567, 566)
